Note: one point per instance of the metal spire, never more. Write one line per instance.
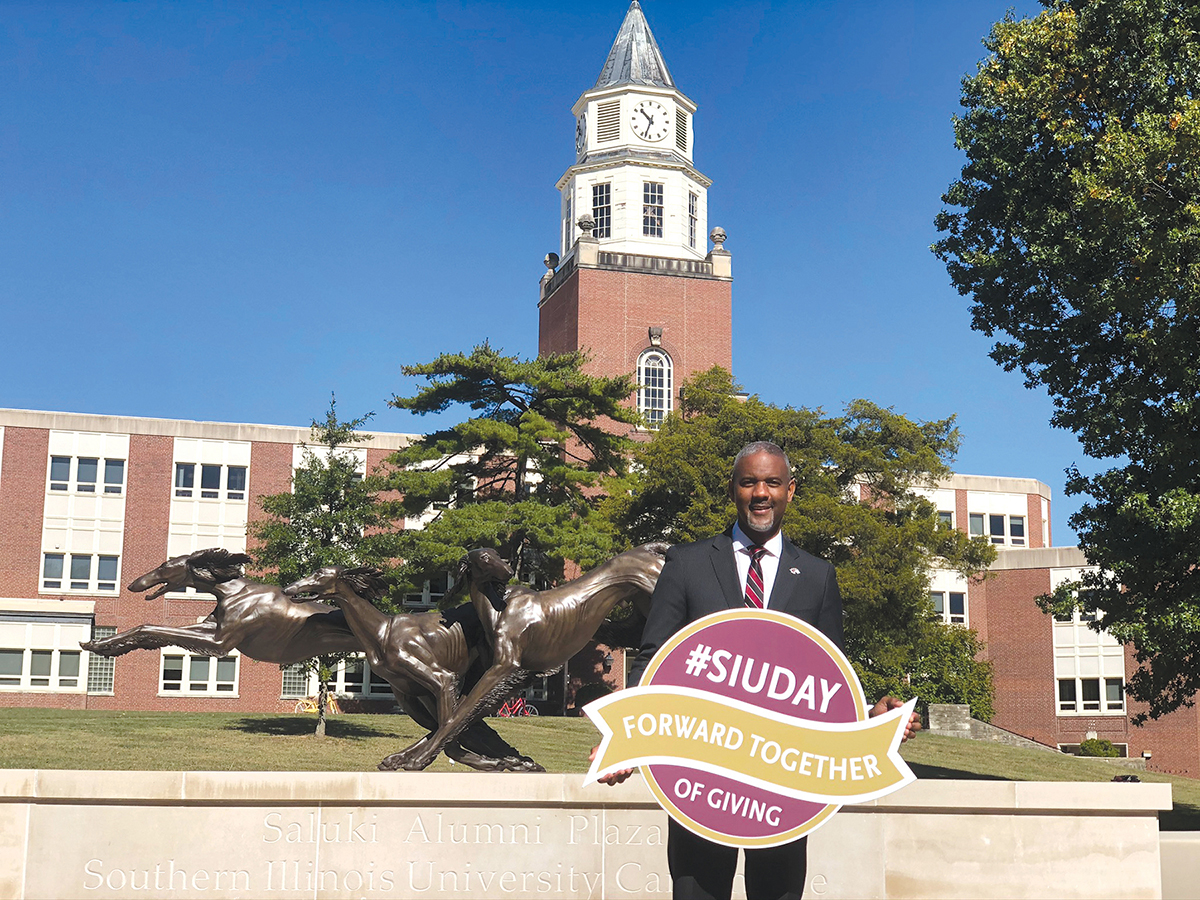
(634, 57)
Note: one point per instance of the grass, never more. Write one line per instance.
(90, 739)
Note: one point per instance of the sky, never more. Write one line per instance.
(229, 211)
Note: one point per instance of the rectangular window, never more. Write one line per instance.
(12, 663)
(958, 608)
(85, 475)
(996, 528)
(68, 668)
(172, 673)
(39, 667)
(236, 483)
(693, 214)
(1016, 530)
(205, 675)
(52, 570)
(185, 479)
(47, 671)
(652, 209)
(1091, 693)
(106, 573)
(602, 209)
(1066, 695)
(681, 120)
(976, 523)
(946, 517)
(568, 228)
(951, 606)
(81, 571)
(101, 669)
(210, 482)
(1114, 694)
(60, 473)
(295, 682)
(114, 476)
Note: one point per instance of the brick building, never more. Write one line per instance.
(1057, 682)
(90, 501)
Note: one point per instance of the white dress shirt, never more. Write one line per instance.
(742, 546)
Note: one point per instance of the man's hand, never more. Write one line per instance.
(612, 777)
(889, 703)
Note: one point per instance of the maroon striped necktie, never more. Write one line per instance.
(754, 578)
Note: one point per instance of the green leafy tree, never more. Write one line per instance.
(1075, 228)
(523, 474)
(882, 545)
(333, 516)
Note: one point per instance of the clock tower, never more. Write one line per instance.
(634, 283)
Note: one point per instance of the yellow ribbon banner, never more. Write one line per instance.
(824, 762)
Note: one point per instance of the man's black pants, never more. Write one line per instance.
(702, 870)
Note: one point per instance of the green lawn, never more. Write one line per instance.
(74, 739)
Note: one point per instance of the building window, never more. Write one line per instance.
(88, 572)
(602, 209)
(353, 677)
(693, 213)
(44, 669)
(654, 387)
(213, 480)
(87, 471)
(946, 517)
(431, 592)
(101, 668)
(12, 665)
(1091, 695)
(188, 674)
(1001, 529)
(950, 606)
(652, 209)
(568, 227)
(1016, 530)
(295, 682)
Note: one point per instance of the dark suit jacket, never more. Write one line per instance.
(701, 578)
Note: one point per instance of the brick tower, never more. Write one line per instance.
(636, 286)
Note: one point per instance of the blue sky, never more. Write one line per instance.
(227, 211)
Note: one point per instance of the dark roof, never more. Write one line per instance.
(634, 57)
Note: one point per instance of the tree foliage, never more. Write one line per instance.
(523, 474)
(1075, 228)
(335, 515)
(883, 546)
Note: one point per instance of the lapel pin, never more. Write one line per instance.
(794, 570)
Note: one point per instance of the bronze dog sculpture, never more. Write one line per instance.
(424, 657)
(255, 619)
(532, 632)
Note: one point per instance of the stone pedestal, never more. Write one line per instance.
(314, 834)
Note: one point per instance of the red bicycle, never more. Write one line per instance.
(517, 707)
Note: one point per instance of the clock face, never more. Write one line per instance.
(581, 133)
(650, 120)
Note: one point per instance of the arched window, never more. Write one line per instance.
(654, 386)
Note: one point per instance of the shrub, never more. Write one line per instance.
(1098, 747)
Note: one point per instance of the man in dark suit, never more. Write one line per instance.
(752, 564)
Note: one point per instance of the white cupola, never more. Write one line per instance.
(633, 169)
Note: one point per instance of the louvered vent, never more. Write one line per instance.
(681, 119)
(608, 121)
